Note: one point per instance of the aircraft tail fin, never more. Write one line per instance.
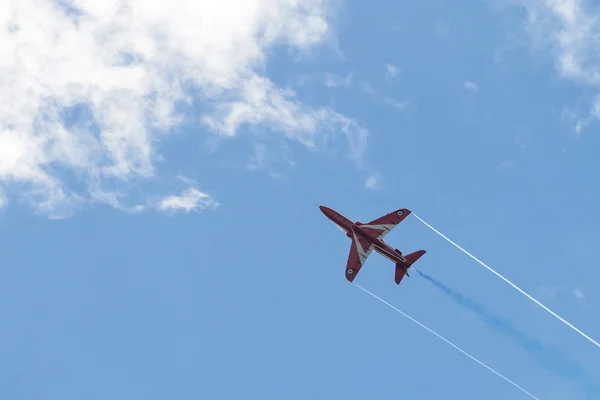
(401, 270)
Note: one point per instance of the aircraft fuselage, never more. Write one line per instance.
(353, 228)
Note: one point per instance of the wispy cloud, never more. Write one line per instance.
(370, 91)
(554, 292)
(190, 199)
(263, 160)
(90, 92)
(573, 117)
(262, 103)
(259, 160)
(333, 80)
(578, 293)
(400, 105)
(373, 181)
(392, 72)
(571, 30)
(470, 86)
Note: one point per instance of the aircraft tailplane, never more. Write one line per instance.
(413, 257)
(402, 269)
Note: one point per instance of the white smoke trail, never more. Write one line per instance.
(449, 342)
(511, 284)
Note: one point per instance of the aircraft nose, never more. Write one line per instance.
(327, 211)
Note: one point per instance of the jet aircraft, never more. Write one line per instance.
(368, 237)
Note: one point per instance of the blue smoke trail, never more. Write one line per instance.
(546, 356)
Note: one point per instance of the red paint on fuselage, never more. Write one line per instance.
(337, 219)
(380, 246)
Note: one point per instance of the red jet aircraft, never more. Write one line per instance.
(368, 237)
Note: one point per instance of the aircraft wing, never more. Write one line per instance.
(360, 249)
(383, 225)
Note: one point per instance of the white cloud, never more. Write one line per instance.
(579, 121)
(369, 90)
(190, 200)
(260, 159)
(260, 102)
(90, 88)
(555, 292)
(391, 71)
(548, 292)
(333, 80)
(571, 29)
(264, 159)
(400, 105)
(373, 181)
(471, 86)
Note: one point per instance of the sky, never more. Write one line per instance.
(159, 161)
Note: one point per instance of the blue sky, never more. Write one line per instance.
(159, 238)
